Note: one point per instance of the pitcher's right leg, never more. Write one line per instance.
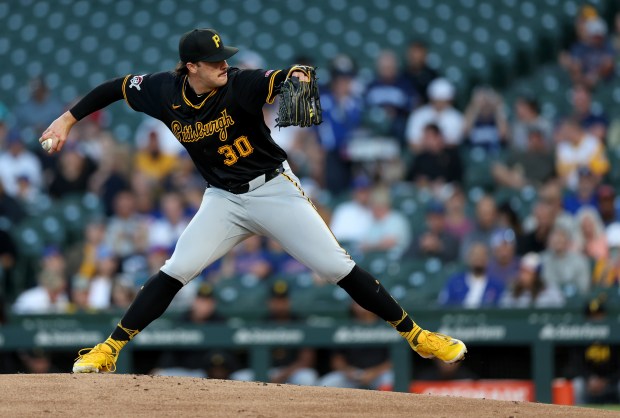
(212, 232)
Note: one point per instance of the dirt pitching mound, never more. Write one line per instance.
(67, 395)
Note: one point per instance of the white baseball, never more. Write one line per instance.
(47, 144)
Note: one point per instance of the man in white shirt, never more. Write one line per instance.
(351, 219)
(389, 230)
(440, 112)
(18, 163)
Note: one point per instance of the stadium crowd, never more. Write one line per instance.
(563, 244)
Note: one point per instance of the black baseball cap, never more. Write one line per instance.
(204, 45)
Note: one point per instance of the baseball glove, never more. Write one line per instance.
(300, 104)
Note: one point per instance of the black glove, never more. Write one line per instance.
(300, 104)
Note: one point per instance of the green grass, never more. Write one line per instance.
(608, 407)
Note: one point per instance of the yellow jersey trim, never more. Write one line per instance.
(125, 93)
(270, 97)
(186, 100)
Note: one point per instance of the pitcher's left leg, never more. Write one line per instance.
(282, 211)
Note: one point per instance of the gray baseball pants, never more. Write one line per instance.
(278, 209)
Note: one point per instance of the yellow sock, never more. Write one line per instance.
(409, 335)
(115, 344)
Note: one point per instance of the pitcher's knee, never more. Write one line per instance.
(334, 272)
(180, 272)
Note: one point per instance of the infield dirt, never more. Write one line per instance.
(68, 395)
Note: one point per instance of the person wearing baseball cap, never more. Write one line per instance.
(203, 45)
(216, 112)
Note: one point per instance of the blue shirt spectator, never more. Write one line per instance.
(391, 94)
(473, 288)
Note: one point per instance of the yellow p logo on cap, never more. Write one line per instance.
(216, 39)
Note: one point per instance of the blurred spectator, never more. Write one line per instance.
(17, 163)
(41, 108)
(10, 208)
(352, 218)
(155, 258)
(249, 258)
(92, 139)
(528, 119)
(417, 70)
(37, 361)
(124, 225)
(591, 59)
(112, 175)
(473, 288)
(577, 149)
(485, 123)
(151, 161)
(50, 295)
(391, 94)
(342, 116)
(365, 368)
(72, 172)
(592, 238)
(615, 37)
(167, 141)
(596, 366)
(435, 164)
(184, 176)
(551, 194)
(204, 307)
(586, 13)
(606, 204)
(532, 166)
(585, 194)
(82, 258)
(79, 295)
(606, 271)
(535, 240)
(458, 222)
(435, 241)
(8, 257)
(281, 261)
(504, 262)
(145, 193)
(439, 111)
(123, 292)
(100, 290)
(509, 219)
(290, 365)
(165, 230)
(485, 226)
(203, 310)
(563, 267)
(389, 230)
(593, 122)
(528, 290)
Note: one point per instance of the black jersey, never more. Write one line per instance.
(223, 131)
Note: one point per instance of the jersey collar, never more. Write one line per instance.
(186, 100)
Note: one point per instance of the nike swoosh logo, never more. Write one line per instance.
(176, 106)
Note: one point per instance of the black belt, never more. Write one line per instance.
(269, 175)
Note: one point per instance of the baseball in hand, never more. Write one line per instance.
(47, 144)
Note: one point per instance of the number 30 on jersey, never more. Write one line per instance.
(240, 148)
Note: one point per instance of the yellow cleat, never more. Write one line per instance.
(445, 348)
(101, 358)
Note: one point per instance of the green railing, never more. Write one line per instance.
(540, 330)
